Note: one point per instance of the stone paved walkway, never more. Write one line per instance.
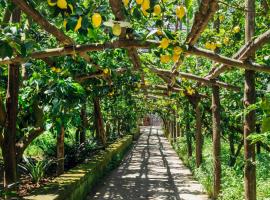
(151, 170)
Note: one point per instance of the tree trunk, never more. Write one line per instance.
(249, 118)
(216, 141)
(198, 135)
(9, 141)
(99, 122)
(60, 151)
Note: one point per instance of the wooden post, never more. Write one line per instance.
(249, 118)
(101, 135)
(61, 151)
(187, 133)
(198, 135)
(9, 142)
(216, 141)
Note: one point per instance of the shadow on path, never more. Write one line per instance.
(151, 170)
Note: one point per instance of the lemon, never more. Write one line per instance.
(52, 3)
(65, 23)
(139, 2)
(190, 91)
(213, 46)
(180, 11)
(53, 69)
(57, 70)
(157, 9)
(236, 29)
(78, 25)
(125, 2)
(116, 29)
(177, 50)
(165, 58)
(62, 4)
(175, 58)
(208, 45)
(164, 43)
(96, 20)
(146, 4)
(106, 71)
(159, 32)
(226, 40)
(221, 18)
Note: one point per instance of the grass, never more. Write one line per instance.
(232, 177)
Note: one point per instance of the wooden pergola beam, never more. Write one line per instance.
(78, 49)
(227, 61)
(71, 50)
(206, 11)
(196, 78)
(243, 53)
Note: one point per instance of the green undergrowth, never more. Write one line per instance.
(232, 177)
(77, 182)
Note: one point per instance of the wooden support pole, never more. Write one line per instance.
(249, 118)
(99, 125)
(216, 141)
(199, 136)
(9, 140)
(61, 151)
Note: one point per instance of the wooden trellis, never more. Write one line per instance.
(242, 59)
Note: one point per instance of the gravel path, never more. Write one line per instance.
(151, 170)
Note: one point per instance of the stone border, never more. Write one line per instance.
(76, 183)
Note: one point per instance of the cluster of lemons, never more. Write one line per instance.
(213, 45)
(177, 50)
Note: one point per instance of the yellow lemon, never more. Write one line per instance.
(164, 43)
(165, 58)
(78, 25)
(62, 4)
(146, 4)
(159, 32)
(208, 45)
(226, 40)
(190, 91)
(213, 46)
(96, 20)
(57, 70)
(236, 29)
(180, 11)
(52, 3)
(175, 58)
(177, 50)
(106, 71)
(221, 18)
(65, 23)
(139, 2)
(53, 69)
(125, 2)
(157, 9)
(116, 29)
